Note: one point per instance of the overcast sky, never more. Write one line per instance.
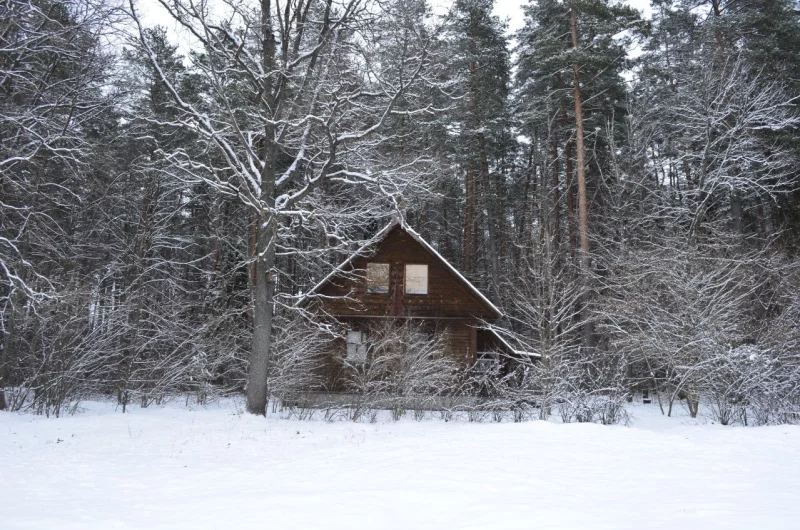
(512, 9)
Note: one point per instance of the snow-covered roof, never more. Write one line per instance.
(507, 345)
(377, 238)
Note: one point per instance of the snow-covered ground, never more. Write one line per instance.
(214, 467)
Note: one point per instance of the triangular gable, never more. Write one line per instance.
(381, 235)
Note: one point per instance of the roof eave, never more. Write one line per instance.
(511, 348)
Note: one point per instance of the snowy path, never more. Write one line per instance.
(175, 468)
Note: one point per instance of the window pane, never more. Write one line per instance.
(377, 277)
(356, 347)
(416, 279)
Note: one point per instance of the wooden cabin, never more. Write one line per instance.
(398, 275)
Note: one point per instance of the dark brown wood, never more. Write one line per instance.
(473, 344)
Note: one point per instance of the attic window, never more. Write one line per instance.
(416, 279)
(377, 277)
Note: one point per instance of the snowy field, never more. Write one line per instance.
(214, 467)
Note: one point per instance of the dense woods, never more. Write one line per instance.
(625, 189)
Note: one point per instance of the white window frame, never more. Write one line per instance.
(408, 289)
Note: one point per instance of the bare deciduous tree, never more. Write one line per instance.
(296, 95)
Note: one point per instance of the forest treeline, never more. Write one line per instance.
(627, 190)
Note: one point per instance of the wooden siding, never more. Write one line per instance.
(461, 339)
(488, 342)
(460, 336)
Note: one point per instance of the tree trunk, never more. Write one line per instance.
(583, 206)
(216, 246)
(5, 354)
(718, 34)
(469, 219)
(693, 402)
(470, 213)
(573, 240)
(263, 284)
(556, 192)
(535, 202)
(263, 292)
(521, 227)
(737, 211)
(490, 220)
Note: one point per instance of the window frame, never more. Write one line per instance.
(388, 277)
(356, 351)
(427, 278)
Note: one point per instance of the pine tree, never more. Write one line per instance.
(480, 58)
(571, 59)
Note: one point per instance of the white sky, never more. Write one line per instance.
(512, 9)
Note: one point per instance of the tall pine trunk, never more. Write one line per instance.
(490, 219)
(568, 148)
(583, 205)
(469, 218)
(556, 219)
(474, 168)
